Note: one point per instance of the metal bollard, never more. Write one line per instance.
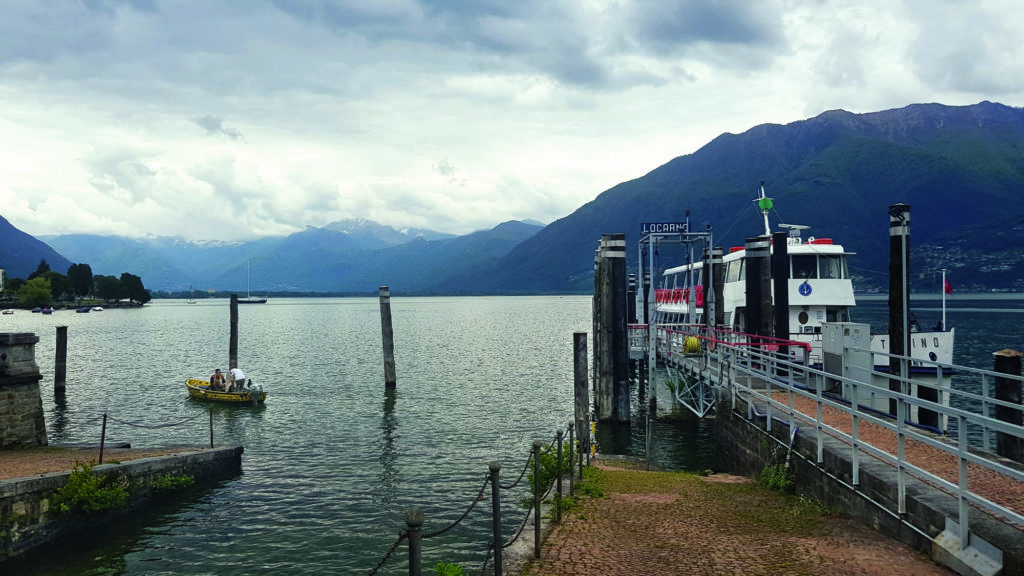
(413, 521)
(536, 498)
(572, 489)
(495, 468)
(103, 436)
(558, 479)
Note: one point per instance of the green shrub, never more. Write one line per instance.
(777, 477)
(86, 492)
(446, 569)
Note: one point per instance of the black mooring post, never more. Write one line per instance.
(899, 299)
(582, 397)
(616, 251)
(60, 364)
(757, 318)
(717, 285)
(558, 478)
(233, 344)
(103, 437)
(413, 523)
(1009, 390)
(495, 468)
(388, 335)
(780, 283)
(572, 490)
(536, 498)
(211, 426)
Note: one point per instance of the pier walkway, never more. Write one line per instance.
(662, 523)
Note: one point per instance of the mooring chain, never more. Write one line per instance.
(522, 525)
(490, 547)
(479, 497)
(521, 474)
(170, 425)
(402, 535)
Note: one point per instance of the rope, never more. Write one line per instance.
(479, 497)
(402, 535)
(109, 417)
(521, 474)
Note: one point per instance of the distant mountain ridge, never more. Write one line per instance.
(961, 168)
(346, 256)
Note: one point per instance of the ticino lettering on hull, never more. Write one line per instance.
(663, 227)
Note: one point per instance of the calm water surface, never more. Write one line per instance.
(332, 461)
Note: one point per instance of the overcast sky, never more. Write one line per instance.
(234, 120)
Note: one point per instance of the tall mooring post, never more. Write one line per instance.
(582, 404)
(611, 337)
(899, 299)
(388, 335)
(1009, 390)
(21, 407)
(758, 319)
(60, 360)
(715, 294)
(780, 284)
(233, 345)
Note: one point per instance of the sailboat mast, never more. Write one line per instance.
(765, 205)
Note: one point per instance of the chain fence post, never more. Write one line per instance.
(413, 521)
(536, 498)
(103, 436)
(572, 488)
(495, 468)
(558, 478)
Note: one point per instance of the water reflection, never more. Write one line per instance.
(387, 479)
(59, 417)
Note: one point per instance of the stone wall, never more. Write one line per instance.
(21, 407)
(30, 522)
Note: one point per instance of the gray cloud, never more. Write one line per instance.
(215, 126)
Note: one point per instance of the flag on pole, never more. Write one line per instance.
(948, 287)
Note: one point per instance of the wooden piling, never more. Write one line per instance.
(717, 291)
(582, 398)
(1009, 390)
(233, 345)
(60, 364)
(388, 336)
(603, 378)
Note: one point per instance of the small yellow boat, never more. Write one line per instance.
(251, 395)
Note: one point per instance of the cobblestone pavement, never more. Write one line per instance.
(659, 523)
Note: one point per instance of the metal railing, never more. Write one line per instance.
(761, 377)
(414, 518)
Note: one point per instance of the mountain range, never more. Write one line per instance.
(961, 169)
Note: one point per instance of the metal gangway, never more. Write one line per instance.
(849, 405)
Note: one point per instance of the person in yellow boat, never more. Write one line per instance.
(217, 381)
(236, 378)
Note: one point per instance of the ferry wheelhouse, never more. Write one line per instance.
(820, 290)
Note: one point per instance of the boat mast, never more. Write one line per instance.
(764, 204)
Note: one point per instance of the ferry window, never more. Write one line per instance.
(804, 267)
(732, 271)
(830, 267)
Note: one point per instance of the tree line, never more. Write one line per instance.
(45, 286)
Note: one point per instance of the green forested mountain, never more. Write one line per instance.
(961, 169)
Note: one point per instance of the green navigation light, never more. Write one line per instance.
(765, 204)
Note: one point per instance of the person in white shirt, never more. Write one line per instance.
(238, 376)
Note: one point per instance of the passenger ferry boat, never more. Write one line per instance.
(820, 290)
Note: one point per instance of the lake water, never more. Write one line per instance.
(332, 461)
